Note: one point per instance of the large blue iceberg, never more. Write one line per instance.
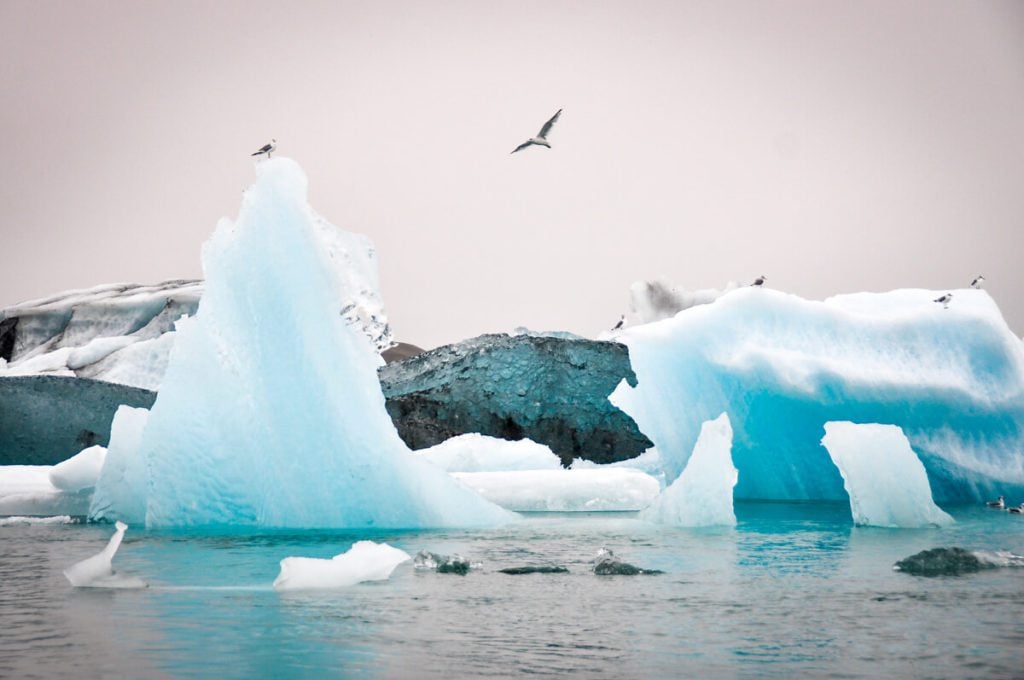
(781, 367)
(270, 412)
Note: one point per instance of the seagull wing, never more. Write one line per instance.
(547, 126)
(522, 146)
(266, 148)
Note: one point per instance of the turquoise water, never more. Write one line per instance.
(793, 590)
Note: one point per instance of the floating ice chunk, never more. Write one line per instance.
(121, 487)
(27, 490)
(80, 471)
(589, 490)
(780, 366)
(703, 494)
(480, 453)
(443, 564)
(270, 412)
(607, 564)
(18, 521)
(98, 572)
(956, 562)
(365, 561)
(885, 479)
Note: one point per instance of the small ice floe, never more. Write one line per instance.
(364, 561)
(956, 562)
(24, 521)
(607, 564)
(98, 572)
(443, 564)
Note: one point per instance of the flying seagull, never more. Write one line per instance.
(542, 137)
(759, 281)
(978, 280)
(945, 300)
(267, 149)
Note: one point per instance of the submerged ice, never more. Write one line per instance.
(270, 412)
(886, 482)
(781, 367)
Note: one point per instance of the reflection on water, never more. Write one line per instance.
(793, 589)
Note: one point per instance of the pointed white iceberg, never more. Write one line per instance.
(703, 494)
(885, 479)
(270, 412)
(365, 561)
(98, 572)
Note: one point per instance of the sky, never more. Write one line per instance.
(834, 147)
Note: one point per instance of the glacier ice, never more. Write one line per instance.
(98, 571)
(27, 490)
(474, 452)
(702, 495)
(270, 412)
(123, 480)
(781, 367)
(364, 561)
(601, 489)
(80, 471)
(883, 476)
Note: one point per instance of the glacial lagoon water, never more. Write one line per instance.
(795, 590)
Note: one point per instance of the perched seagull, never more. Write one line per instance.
(267, 149)
(978, 280)
(622, 320)
(759, 281)
(998, 503)
(945, 300)
(542, 137)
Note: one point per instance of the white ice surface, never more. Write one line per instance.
(480, 453)
(121, 486)
(364, 561)
(703, 494)
(27, 490)
(587, 490)
(885, 479)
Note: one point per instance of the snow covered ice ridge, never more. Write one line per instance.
(270, 412)
(781, 367)
(123, 333)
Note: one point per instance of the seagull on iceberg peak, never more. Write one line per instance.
(978, 280)
(621, 323)
(541, 138)
(266, 149)
(759, 281)
(945, 300)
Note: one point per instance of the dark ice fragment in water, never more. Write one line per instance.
(517, 571)
(942, 562)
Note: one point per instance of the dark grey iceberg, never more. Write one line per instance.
(46, 419)
(956, 562)
(553, 390)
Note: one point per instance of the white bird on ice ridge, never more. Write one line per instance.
(541, 138)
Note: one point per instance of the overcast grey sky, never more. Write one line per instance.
(833, 146)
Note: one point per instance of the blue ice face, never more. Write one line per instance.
(270, 412)
(781, 367)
